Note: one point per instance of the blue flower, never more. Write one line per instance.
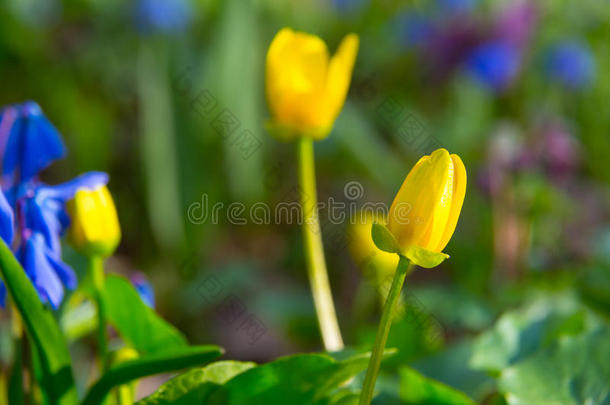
(33, 215)
(571, 63)
(144, 289)
(414, 29)
(347, 6)
(495, 64)
(166, 16)
(32, 142)
(43, 220)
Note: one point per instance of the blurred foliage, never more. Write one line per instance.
(521, 307)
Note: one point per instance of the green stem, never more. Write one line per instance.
(96, 271)
(314, 250)
(382, 333)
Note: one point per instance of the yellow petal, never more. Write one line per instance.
(459, 191)
(95, 226)
(339, 76)
(421, 196)
(296, 71)
(440, 217)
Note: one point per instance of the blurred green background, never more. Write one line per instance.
(143, 90)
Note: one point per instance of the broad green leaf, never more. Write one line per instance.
(298, 379)
(450, 367)
(138, 324)
(128, 371)
(417, 390)
(574, 371)
(42, 329)
(195, 386)
(520, 333)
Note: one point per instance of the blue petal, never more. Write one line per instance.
(571, 63)
(41, 146)
(65, 191)
(2, 295)
(64, 272)
(495, 64)
(45, 279)
(162, 15)
(7, 225)
(33, 142)
(144, 289)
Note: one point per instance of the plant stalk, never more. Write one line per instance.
(96, 271)
(382, 333)
(314, 250)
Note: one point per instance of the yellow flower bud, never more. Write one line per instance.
(306, 88)
(95, 229)
(426, 209)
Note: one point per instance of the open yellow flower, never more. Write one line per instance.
(306, 88)
(95, 229)
(426, 209)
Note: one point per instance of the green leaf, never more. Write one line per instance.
(450, 367)
(42, 329)
(298, 379)
(573, 371)
(195, 386)
(128, 371)
(520, 333)
(384, 239)
(138, 324)
(420, 390)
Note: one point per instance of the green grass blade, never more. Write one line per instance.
(42, 329)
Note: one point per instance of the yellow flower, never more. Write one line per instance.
(363, 249)
(426, 209)
(95, 229)
(306, 88)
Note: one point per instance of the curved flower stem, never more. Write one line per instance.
(96, 271)
(314, 250)
(384, 329)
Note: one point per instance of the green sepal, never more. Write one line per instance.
(285, 133)
(384, 239)
(425, 258)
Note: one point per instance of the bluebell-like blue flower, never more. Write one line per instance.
(166, 16)
(43, 220)
(33, 215)
(144, 289)
(571, 63)
(495, 64)
(31, 142)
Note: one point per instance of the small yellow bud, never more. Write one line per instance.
(426, 209)
(306, 88)
(95, 229)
